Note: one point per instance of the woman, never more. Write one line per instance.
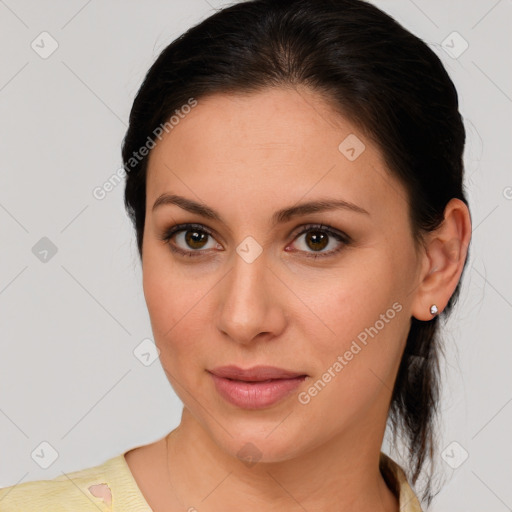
(294, 175)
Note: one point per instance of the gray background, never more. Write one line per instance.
(69, 325)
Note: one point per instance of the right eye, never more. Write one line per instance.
(190, 239)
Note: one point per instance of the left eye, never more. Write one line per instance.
(318, 237)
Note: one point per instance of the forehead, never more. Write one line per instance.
(266, 145)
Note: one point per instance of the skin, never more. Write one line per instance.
(247, 156)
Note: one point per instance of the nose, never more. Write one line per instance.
(251, 301)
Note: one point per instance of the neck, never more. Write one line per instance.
(342, 474)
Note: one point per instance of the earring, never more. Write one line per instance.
(433, 310)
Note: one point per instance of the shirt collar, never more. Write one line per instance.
(396, 479)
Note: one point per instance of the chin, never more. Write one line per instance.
(264, 445)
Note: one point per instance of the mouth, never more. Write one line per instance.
(255, 374)
(255, 388)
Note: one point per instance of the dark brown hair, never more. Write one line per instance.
(371, 69)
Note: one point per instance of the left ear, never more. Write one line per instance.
(446, 251)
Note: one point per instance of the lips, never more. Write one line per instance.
(254, 374)
(255, 388)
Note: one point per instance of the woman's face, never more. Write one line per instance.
(244, 287)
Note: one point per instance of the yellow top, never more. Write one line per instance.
(82, 491)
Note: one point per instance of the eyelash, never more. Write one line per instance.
(339, 236)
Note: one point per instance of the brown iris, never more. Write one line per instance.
(317, 238)
(193, 237)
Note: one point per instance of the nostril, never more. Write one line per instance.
(102, 491)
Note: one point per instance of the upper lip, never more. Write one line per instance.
(254, 374)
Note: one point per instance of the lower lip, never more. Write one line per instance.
(255, 395)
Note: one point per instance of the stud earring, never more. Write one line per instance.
(433, 310)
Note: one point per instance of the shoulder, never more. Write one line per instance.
(79, 491)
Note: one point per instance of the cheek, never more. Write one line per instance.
(363, 320)
(160, 294)
(347, 301)
(178, 307)
(167, 297)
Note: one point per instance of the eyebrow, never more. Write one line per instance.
(281, 216)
